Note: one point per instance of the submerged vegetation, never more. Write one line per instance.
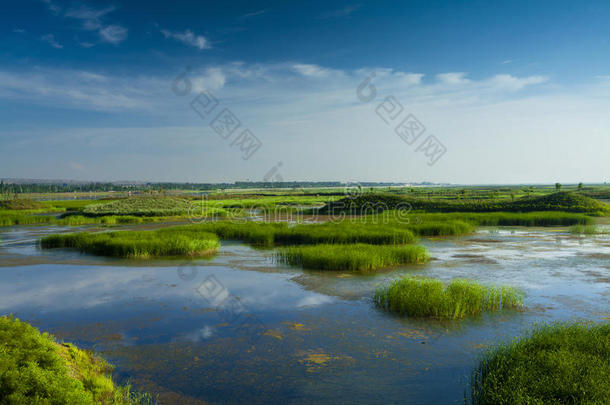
(137, 244)
(562, 363)
(35, 369)
(421, 297)
(355, 257)
(589, 230)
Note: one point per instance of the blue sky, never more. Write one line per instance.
(515, 91)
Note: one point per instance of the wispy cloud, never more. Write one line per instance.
(253, 14)
(77, 89)
(91, 19)
(114, 34)
(452, 78)
(273, 86)
(516, 83)
(19, 31)
(54, 8)
(341, 13)
(50, 39)
(310, 70)
(294, 109)
(189, 38)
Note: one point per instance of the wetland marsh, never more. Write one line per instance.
(284, 332)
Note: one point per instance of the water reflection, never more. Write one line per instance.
(323, 339)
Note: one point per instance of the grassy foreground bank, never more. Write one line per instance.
(137, 244)
(419, 297)
(562, 363)
(354, 257)
(35, 369)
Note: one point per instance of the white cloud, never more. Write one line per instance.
(211, 79)
(189, 38)
(114, 34)
(316, 71)
(91, 20)
(85, 90)
(409, 78)
(19, 31)
(50, 39)
(452, 78)
(509, 82)
(484, 122)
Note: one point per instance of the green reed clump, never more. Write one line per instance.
(422, 297)
(271, 234)
(136, 244)
(441, 228)
(10, 218)
(542, 219)
(588, 230)
(75, 220)
(344, 233)
(35, 369)
(560, 363)
(355, 257)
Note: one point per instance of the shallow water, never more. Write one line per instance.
(241, 328)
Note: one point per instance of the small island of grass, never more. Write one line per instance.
(423, 297)
(137, 244)
(354, 257)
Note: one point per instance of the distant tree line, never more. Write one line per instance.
(13, 188)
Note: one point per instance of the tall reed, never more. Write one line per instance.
(354, 257)
(560, 363)
(136, 244)
(424, 297)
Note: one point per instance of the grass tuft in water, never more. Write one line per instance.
(354, 257)
(423, 297)
(137, 244)
(561, 363)
(588, 230)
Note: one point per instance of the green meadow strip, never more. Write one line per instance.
(560, 363)
(354, 257)
(276, 234)
(136, 244)
(423, 297)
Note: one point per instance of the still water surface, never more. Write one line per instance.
(293, 336)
